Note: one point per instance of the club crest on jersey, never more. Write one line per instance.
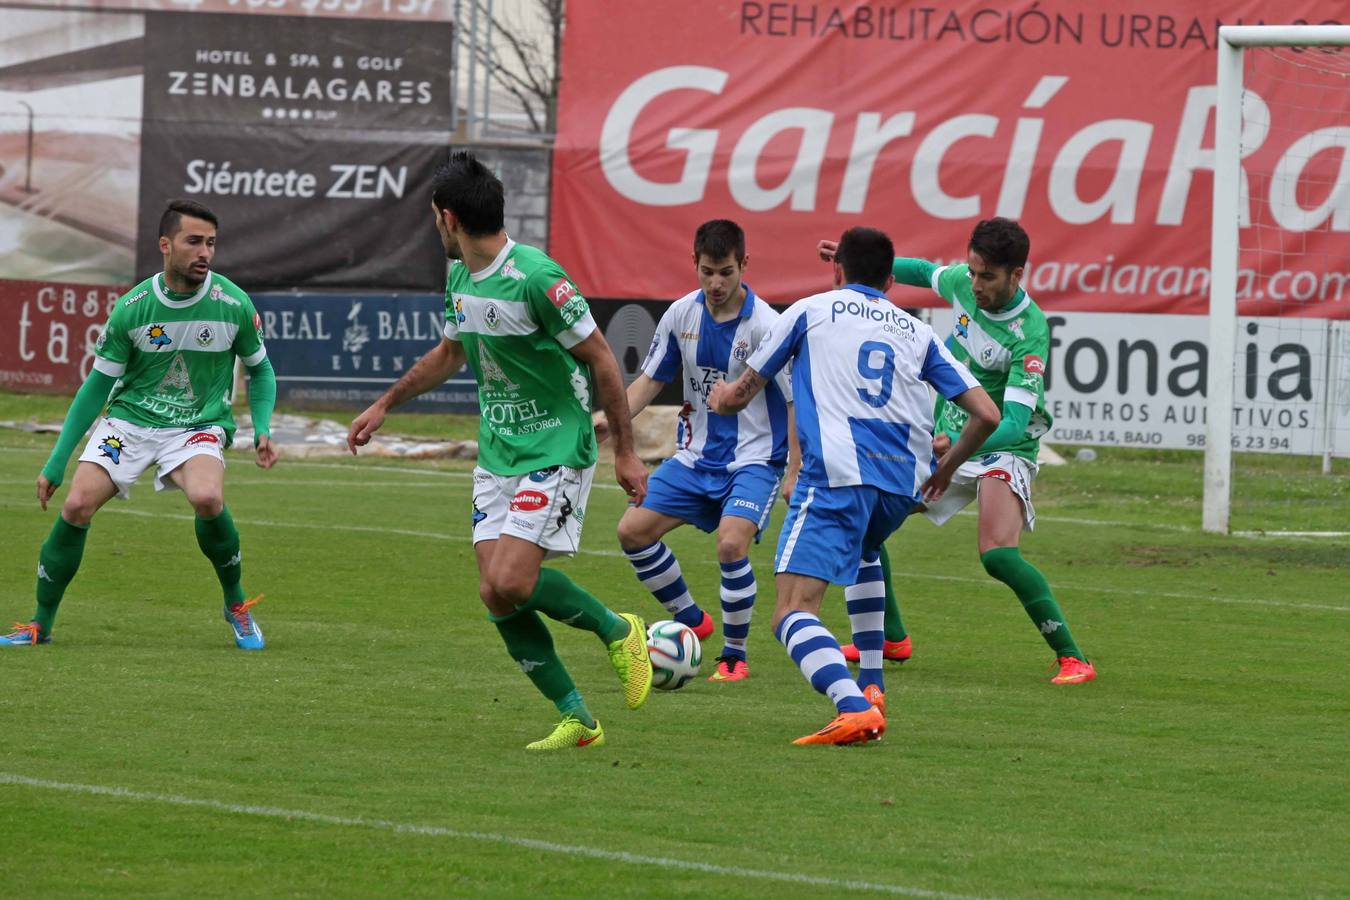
(158, 336)
(204, 336)
(963, 325)
(112, 448)
(741, 350)
(490, 315)
(528, 501)
(987, 354)
(201, 437)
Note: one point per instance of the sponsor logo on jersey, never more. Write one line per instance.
(459, 311)
(510, 271)
(204, 336)
(891, 318)
(1015, 326)
(112, 448)
(490, 315)
(158, 336)
(684, 427)
(201, 437)
(134, 297)
(688, 335)
(1033, 365)
(216, 292)
(478, 516)
(741, 350)
(257, 323)
(963, 325)
(102, 339)
(748, 504)
(561, 292)
(541, 475)
(528, 501)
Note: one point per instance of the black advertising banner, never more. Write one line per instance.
(313, 140)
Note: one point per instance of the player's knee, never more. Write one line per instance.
(631, 533)
(79, 508)
(731, 548)
(207, 505)
(510, 589)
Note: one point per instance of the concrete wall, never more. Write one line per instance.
(524, 171)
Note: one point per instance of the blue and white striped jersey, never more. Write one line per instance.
(689, 344)
(859, 367)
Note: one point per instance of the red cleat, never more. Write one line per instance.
(891, 651)
(1073, 671)
(705, 628)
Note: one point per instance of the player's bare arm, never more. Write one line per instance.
(628, 469)
(442, 361)
(729, 398)
(794, 460)
(984, 418)
(640, 394)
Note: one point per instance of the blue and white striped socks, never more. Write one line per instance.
(817, 654)
(738, 604)
(659, 572)
(866, 602)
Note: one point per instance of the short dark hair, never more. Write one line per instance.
(866, 255)
(718, 239)
(172, 220)
(1000, 242)
(472, 193)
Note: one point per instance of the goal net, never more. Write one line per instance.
(1279, 366)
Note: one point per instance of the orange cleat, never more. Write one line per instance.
(730, 668)
(891, 651)
(876, 697)
(849, 728)
(1073, 671)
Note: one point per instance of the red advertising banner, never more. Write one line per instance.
(47, 333)
(1091, 124)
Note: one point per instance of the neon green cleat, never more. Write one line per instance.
(571, 733)
(631, 662)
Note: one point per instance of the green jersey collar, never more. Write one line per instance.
(1019, 304)
(496, 263)
(162, 292)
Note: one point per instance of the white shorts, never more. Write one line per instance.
(125, 451)
(965, 486)
(546, 508)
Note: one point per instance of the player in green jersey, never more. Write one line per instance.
(531, 343)
(1001, 335)
(164, 365)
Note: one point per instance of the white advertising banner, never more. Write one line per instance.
(1135, 380)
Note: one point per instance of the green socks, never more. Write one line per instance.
(1007, 565)
(562, 599)
(219, 540)
(531, 646)
(894, 627)
(58, 561)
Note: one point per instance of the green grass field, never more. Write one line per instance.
(374, 748)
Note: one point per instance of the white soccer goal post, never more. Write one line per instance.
(1235, 202)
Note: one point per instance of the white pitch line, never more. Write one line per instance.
(616, 554)
(273, 812)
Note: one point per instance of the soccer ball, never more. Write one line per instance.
(675, 652)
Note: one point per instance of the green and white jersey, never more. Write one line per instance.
(517, 320)
(1006, 351)
(174, 355)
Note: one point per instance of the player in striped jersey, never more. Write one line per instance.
(861, 369)
(166, 357)
(726, 469)
(1001, 335)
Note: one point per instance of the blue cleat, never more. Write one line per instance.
(25, 636)
(247, 634)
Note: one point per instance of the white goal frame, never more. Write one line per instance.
(1223, 253)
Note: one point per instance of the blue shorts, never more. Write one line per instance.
(702, 498)
(828, 530)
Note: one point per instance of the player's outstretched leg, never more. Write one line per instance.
(738, 605)
(816, 653)
(58, 561)
(866, 602)
(560, 598)
(659, 571)
(219, 542)
(897, 646)
(531, 646)
(1007, 565)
